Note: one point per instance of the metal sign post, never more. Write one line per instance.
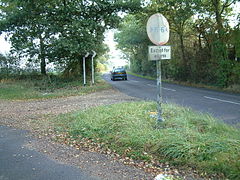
(159, 92)
(84, 69)
(159, 53)
(158, 33)
(93, 55)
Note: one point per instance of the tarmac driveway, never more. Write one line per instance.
(20, 162)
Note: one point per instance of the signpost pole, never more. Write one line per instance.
(159, 92)
(94, 54)
(158, 33)
(84, 69)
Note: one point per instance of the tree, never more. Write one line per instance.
(8, 64)
(201, 38)
(59, 31)
(133, 41)
(29, 27)
(180, 16)
(219, 11)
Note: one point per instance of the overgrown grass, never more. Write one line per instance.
(186, 138)
(142, 76)
(41, 87)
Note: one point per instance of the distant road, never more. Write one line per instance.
(225, 106)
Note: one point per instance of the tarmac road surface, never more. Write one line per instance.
(17, 162)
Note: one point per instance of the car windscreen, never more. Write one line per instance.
(119, 70)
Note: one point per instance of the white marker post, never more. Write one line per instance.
(158, 33)
(93, 55)
(84, 69)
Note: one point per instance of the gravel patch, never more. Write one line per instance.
(19, 114)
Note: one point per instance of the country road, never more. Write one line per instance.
(225, 106)
(24, 157)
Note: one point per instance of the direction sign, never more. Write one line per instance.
(158, 29)
(159, 52)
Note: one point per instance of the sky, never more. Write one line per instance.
(115, 54)
(4, 45)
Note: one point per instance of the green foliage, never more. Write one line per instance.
(236, 73)
(204, 48)
(235, 38)
(132, 40)
(186, 138)
(8, 65)
(60, 31)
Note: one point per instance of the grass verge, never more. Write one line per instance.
(141, 76)
(40, 87)
(186, 138)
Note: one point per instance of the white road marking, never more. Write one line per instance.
(169, 89)
(162, 87)
(216, 99)
(134, 81)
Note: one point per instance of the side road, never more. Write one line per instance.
(18, 161)
(32, 115)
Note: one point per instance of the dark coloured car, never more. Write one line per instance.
(118, 73)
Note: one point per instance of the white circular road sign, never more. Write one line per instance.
(158, 29)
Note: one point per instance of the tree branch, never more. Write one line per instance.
(226, 5)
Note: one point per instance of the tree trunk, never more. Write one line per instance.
(43, 66)
(220, 47)
(220, 29)
(185, 70)
(182, 49)
(199, 42)
(42, 56)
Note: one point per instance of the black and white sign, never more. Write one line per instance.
(159, 53)
(158, 29)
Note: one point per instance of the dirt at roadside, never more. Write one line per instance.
(27, 114)
(20, 114)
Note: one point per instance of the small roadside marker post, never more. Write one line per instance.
(84, 68)
(158, 33)
(93, 55)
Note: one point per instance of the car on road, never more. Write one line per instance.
(118, 73)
